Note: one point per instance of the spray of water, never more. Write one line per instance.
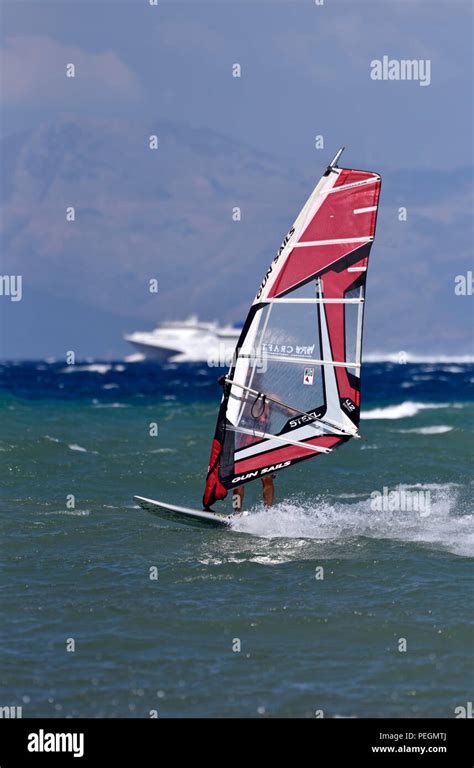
(448, 526)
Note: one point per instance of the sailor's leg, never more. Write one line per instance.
(238, 499)
(268, 490)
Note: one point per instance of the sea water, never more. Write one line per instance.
(345, 599)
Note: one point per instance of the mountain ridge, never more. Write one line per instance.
(167, 214)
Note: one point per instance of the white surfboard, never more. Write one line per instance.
(183, 514)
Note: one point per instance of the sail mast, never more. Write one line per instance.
(334, 161)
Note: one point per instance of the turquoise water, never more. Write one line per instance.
(170, 645)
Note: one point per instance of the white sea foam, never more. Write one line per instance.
(453, 369)
(69, 512)
(442, 487)
(76, 447)
(445, 528)
(92, 368)
(439, 429)
(95, 404)
(403, 410)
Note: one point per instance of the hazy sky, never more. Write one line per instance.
(305, 71)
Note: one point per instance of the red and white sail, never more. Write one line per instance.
(293, 390)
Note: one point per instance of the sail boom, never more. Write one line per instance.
(267, 397)
(336, 428)
(280, 438)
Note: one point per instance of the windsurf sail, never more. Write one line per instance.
(293, 389)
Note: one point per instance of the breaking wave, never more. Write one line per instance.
(439, 429)
(403, 410)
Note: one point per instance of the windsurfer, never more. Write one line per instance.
(268, 490)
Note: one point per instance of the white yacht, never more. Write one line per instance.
(188, 340)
